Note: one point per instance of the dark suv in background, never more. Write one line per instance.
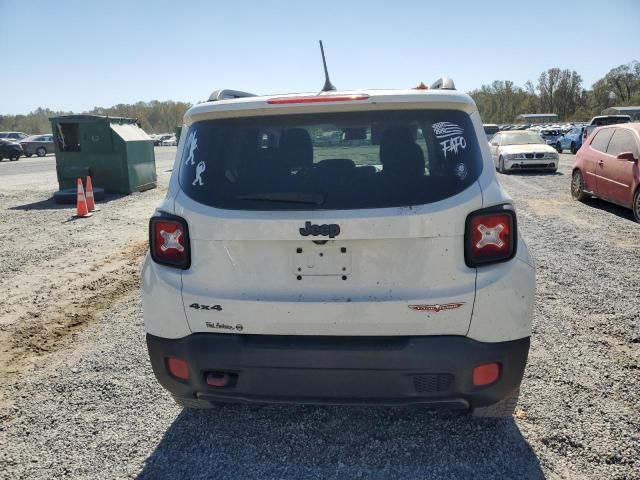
(10, 149)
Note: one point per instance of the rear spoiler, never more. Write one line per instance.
(227, 94)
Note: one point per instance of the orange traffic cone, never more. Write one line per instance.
(81, 203)
(91, 204)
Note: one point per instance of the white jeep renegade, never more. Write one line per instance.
(344, 247)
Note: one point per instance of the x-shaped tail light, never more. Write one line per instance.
(490, 236)
(171, 240)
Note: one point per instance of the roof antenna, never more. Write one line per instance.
(328, 86)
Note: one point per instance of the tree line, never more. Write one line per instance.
(557, 91)
(154, 116)
(561, 92)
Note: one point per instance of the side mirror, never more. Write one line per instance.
(627, 156)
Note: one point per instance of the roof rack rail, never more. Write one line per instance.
(227, 94)
(443, 83)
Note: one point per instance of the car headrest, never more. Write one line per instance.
(296, 149)
(399, 154)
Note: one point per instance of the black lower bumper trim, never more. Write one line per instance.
(433, 370)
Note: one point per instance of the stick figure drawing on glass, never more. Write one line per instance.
(200, 168)
(193, 145)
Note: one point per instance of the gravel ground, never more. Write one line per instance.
(85, 403)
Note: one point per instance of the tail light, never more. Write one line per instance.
(169, 241)
(490, 236)
(317, 99)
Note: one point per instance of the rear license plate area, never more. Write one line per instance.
(321, 260)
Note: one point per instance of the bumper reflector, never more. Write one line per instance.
(486, 374)
(178, 367)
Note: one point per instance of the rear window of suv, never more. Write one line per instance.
(334, 161)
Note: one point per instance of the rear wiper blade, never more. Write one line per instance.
(289, 197)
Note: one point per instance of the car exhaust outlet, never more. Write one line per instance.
(217, 379)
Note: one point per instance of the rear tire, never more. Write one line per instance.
(574, 150)
(14, 158)
(41, 151)
(502, 409)
(501, 165)
(636, 205)
(577, 187)
(559, 147)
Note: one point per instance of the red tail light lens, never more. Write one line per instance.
(169, 241)
(317, 99)
(490, 236)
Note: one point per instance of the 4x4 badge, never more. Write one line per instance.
(438, 307)
(331, 230)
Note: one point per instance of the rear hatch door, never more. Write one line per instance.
(330, 224)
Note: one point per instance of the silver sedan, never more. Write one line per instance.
(37, 145)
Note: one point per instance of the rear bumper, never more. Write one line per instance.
(340, 370)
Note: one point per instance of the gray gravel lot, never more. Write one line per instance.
(89, 407)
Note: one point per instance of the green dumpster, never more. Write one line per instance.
(115, 151)
(178, 133)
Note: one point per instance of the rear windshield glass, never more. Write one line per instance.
(330, 161)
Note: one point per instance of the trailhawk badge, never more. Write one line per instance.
(438, 307)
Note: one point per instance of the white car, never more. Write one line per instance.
(169, 141)
(522, 150)
(384, 267)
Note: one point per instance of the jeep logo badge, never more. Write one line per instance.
(331, 230)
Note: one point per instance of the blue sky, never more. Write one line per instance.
(74, 55)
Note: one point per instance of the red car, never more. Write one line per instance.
(607, 166)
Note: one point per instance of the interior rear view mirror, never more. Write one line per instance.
(627, 156)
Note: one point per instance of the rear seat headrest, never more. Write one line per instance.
(399, 154)
(296, 149)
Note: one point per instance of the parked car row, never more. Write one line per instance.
(17, 144)
(606, 164)
(568, 136)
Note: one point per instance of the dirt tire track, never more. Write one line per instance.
(25, 342)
